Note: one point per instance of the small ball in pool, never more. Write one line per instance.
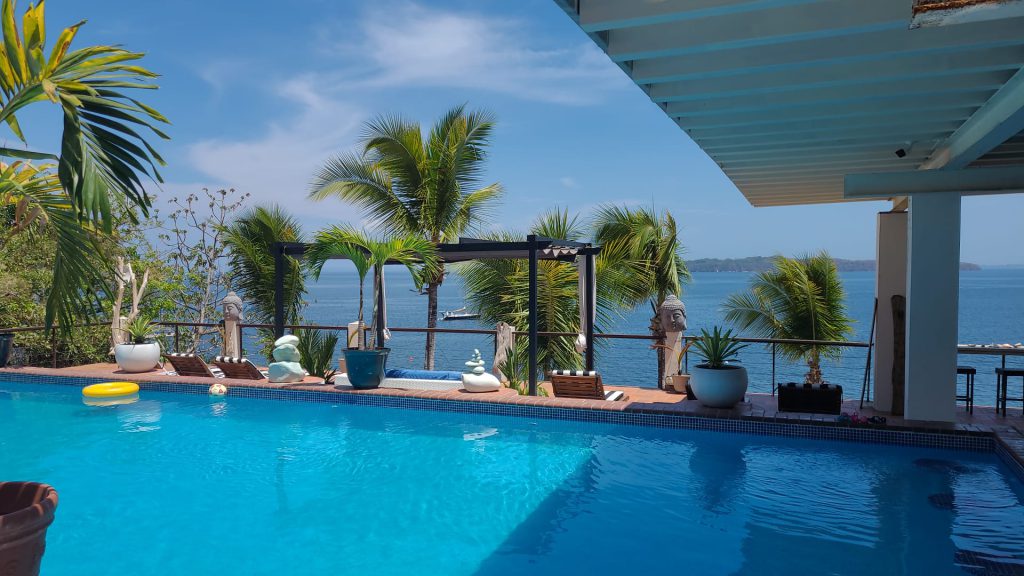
(218, 390)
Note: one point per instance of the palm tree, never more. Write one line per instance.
(417, 254)
(414, 184)
(250, 240)
(499, 290)
(800, 299)
(102, 155)
(649, 242)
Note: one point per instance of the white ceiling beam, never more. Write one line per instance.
(912, 104)
(1003, 180)
(601, 15)
(785, 24)
(968, 82)
(893, 141)
(898, 69)
(807, 131)
(824, 153)
(872, 46)
(998, 120)
(817, 125)
(876, 165)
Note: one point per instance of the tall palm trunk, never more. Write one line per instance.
(428, 354)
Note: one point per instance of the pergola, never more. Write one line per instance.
(534, 249)
(809, 101)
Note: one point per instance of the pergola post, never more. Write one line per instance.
(278, 289)
(588, 301)
(532, 241)
(890, 280)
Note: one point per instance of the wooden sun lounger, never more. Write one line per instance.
(190, 365)
(582, 384)
(240, 368)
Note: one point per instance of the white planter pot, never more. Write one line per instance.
(137, 357)
(719, 387)
(678, 382)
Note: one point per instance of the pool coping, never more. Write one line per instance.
(1007, 444)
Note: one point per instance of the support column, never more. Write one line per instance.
(933, 276)
(890, 280)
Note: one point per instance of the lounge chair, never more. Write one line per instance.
(582, 384)
(191, 365)
(240, 368)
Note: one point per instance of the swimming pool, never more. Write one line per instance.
(185, 484)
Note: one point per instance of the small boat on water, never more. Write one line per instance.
(460, 314)
(420, 292)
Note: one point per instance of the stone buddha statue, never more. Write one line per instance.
(232, 305)
(672, 314)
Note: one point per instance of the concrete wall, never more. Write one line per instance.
(890, 279)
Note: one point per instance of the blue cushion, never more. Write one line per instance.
(422, 374)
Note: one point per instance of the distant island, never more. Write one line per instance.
(762, 263)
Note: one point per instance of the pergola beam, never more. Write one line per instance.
(1005, 180)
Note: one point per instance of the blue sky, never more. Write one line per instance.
(261, 93)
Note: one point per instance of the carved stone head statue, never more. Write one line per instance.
(673, 314)
(232, 307)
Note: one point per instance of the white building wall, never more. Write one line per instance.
(890, 279)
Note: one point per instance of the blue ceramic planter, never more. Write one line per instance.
(366, 367)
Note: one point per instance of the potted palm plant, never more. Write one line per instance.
(717, 382)
(141, 353)
(801, 302)
(366, 362)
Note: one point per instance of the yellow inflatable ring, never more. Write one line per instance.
(110, 389)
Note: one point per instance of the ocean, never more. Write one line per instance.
(991, 311)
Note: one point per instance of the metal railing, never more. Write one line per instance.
(771, 343)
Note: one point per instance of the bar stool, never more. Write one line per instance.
(968, 395)
(1003, 376)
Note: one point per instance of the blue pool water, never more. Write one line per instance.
(181, 484)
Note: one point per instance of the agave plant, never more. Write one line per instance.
(800, 299)
(316, 347)
(140, 329)
(102, 154)
(717, 348)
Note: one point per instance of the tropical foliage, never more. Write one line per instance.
(102, 157)
(372, 253)
(499, 290)
(140, 329)
(251, 239)
(194, 253)
(411, 183)
(801, 299)
(648, 243)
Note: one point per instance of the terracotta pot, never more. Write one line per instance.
(26, 511)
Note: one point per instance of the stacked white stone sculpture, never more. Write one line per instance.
(478, 380)
(286, 367)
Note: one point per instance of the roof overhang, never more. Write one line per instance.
(790, 96)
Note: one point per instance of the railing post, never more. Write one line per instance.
(177, 344)
(773, 368)
(532, 239)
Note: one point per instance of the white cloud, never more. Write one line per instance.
(405, 44)
(278, 165)
(392, 45)
(568, 182)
